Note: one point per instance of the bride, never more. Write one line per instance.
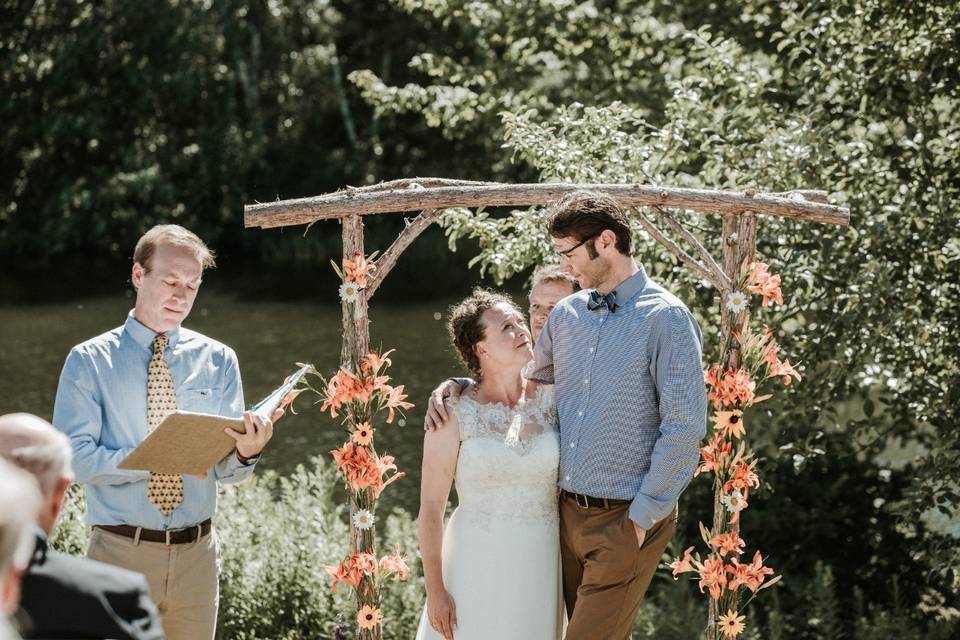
(495, 571)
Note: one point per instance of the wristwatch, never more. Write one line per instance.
(247, 461)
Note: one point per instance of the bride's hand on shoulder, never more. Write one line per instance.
(437, 413)
(442, 613)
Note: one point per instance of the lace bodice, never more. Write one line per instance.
(508, 458)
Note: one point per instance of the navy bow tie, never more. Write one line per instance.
(598, 300)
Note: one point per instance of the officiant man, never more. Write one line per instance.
(114, 390)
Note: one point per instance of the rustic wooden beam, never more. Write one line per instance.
(412, 198)
(418, 183)
(720, 280)
(675, 249)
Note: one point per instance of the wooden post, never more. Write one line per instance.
(356, 327)
(356, 339)
(739, 247)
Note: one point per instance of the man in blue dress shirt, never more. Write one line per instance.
(102, 406)
(625, 356)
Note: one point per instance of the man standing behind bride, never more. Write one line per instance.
(625, 356)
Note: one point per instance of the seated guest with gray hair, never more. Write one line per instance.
(19, 501)
(64, 596)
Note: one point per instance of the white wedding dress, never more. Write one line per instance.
(501, 546)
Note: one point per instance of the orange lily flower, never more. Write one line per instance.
(730, 387)
(750, 575)
(343, 388)
(344, 573)
(713, 576)
(395, 400)
(727, 542)
(383, 465)
(743, 478)
(376, 361)
(366, 563)
(395, 564)
(682, 565)
(357, 269)
(784, 369)
(713, 455)
(761, 282)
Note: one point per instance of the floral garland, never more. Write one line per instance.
(360, 396)
(732, 461)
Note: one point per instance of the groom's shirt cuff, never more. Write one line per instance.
(646, 511)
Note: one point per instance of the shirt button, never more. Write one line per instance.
(591, 349)
(567, 478)
(573, 445)
(579, 413)
(586, 381)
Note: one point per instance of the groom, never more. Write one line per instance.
(625, 356)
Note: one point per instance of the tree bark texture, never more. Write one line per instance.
(417, 197)
(356, 327)
(739, 248)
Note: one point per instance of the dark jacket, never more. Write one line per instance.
(68, 597)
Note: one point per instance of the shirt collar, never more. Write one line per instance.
(144, 335)
(630, 287)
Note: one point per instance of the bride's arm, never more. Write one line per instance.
(440, 451)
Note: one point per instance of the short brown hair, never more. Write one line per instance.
(172, 234)
(465, 327)
(586, 214)
(553, 273)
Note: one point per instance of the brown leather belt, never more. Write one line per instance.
(172, 536)
(590, 501)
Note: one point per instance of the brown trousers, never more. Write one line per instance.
(605, 572)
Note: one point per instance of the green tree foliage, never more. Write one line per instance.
(120, 114)
(856, 98)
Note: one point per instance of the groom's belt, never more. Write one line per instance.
(590, 501)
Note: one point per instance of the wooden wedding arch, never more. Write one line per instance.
(649, 205)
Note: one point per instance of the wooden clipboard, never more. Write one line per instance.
(191, 443)
(185, 442)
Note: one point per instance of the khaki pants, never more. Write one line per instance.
(183, 578)
(605, 573)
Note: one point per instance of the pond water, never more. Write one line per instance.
(269, 337)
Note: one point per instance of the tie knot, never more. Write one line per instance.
(160, 343)
(598, 300)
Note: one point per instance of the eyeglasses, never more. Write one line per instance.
(566, 252)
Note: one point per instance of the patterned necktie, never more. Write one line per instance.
(164, 490)
(598, 300)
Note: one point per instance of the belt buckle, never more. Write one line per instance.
(166, 534)
(586, 501)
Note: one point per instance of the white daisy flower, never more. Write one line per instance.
(363, 519)
(734, 501)
(349, 291)
(736, 301)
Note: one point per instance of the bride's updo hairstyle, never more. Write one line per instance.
(465, 327)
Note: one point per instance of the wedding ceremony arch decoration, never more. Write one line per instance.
(745, 353)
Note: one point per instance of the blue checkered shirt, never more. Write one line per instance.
(630, 395)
